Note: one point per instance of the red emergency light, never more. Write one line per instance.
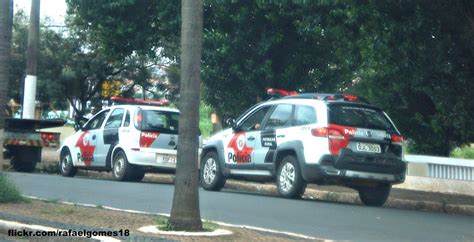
(122, 100)
(274, 91)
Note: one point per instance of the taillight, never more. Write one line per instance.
(397, 139)
(44, 136)
(338, 136)
(320, 132)
(51, 136)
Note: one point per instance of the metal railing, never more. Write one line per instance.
(445, 168)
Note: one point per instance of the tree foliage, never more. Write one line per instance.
(417, 63)
(414, 59)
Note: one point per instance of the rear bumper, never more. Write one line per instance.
(349, 166)
(149, 157)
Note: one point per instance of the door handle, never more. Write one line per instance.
(251, 138)
(93, 136)
(281, 136)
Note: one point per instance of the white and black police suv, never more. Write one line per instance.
(325, 139)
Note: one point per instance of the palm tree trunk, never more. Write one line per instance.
(6, 22)
(185, 213)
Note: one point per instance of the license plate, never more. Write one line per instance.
(168, 158)
(368, 147)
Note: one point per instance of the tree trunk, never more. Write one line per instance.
(185, 213)
(29, 95)
(6, 22)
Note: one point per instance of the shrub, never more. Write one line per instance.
(8, 191)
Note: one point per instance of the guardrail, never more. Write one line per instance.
(440, 167)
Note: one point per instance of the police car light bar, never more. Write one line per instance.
(275, 92)
(122, 100)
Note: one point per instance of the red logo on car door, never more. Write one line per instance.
(242, 153)
(86, 149)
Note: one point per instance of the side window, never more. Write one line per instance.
(254, 122)
(126, 122)
(97, 120)
(115, 119)
(304, 115)
(280, 117)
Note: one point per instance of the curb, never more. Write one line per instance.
(314, 194)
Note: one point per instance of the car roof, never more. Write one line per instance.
(145, 107)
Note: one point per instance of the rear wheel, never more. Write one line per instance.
(374, 196)
(121, 169)
(66, 168)
(211, 176)
(24, 158)
(290, 183)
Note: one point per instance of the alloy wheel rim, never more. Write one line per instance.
(118, 167)
(65, 163)
(210, 170)
(287, 177)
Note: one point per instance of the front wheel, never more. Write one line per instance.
(66, 168)
(211, 176)
(290, 183)
(374, 196)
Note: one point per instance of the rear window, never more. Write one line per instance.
(158, 121)
(359, 116)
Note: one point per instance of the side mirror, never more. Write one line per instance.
(231, 123)
(77, 127)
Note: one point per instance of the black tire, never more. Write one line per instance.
(210, 174)
(121, 169)
(24, 158)
(137, 173)
(374, 196)
(289, 187)
(66, 167)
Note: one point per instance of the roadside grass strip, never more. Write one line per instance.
(8, 191)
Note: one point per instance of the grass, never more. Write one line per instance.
(164, 224)
(52, 200)
(465, 152)
(60, 211)
(9, 193)
(205, 124)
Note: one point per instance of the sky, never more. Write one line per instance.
(54, 9)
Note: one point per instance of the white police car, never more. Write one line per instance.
(125, 139)
(309, 138)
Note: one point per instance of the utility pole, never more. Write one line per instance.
(29, 92)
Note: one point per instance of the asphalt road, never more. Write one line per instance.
(319, 219)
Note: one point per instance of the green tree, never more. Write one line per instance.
(418, 64)
(185, 213)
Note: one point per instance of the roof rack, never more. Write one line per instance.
(128, 101)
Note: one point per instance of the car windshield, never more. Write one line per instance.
(160, 121)
(359, 116)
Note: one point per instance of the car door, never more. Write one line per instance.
(241, 145)
(272, 134)
(109, 135)
(88, 140)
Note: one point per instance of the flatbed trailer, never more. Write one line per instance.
(23, 143)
